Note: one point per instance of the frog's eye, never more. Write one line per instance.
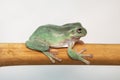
(79, 30)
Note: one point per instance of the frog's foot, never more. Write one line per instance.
(51, 56)
(81, 56)
(84, 55)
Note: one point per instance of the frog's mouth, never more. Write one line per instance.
(82, 35)
(76, 38)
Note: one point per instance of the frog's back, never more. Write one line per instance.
(45, 30)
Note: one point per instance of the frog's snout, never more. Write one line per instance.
(83, 32)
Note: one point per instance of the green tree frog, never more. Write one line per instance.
(54, 36)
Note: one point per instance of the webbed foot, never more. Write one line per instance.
(79, 55)
(52, 57)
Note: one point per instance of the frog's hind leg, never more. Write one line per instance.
(43, 47)
(37, 45)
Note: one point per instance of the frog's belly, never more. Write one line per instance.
(59, 45)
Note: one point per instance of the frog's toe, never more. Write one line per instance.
(81, 56)
(83, 50)
(83, 60)
(84, 55)
(86, 62)
(53, 56)
(52, 60)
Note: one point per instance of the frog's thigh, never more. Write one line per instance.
(37, 45)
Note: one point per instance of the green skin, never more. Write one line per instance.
(53, 36)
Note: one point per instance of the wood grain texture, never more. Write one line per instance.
(18, 54)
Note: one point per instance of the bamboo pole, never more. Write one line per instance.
(18, 54)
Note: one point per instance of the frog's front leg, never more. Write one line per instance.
(79, 55)
(43, 47)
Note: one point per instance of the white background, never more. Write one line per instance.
(101, 18)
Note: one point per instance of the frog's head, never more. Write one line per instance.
(76, 30)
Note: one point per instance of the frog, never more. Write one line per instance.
(50, 36)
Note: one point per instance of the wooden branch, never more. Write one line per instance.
(18, 54)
